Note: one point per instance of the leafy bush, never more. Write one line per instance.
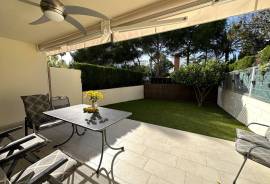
(243, 63)
(100, 77)
(264, 57)
(202, 77)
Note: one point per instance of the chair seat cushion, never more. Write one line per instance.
(267, 134)
(260, 155)
(38, 139)
(251, 137)
(60, 174)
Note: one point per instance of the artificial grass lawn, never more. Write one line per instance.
(208, 120)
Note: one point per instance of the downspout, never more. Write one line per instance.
(49, 81)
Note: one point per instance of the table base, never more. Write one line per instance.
(104, 144)
(74, 130)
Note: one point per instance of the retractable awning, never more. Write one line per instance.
(156, 18)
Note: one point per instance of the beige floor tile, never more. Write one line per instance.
(200, 159)
(227, 178)
(250, 174)
(165, 172)
(158, 145)
(162, 157)
(263, 177)
(235, 157)
(135, 139)
(223, 165)
(106, 162)
(120, 181)
(187, 165)
(193, 179)
(192, 156)
(157, 180)
(84, 174)
(137, 148)
(133, 158)
(207, 173)
(130, 173)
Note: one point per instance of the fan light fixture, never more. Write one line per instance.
(54, 16)
(56, 11)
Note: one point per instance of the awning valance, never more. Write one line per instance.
(154, 19)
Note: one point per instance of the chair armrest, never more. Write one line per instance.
(7, 132)
(258, 124)
(258, 146)
(16, 144)
(45, 175)
(19, 154)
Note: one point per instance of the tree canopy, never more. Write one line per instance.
(201, 77)
(202, 42)
(219, 40)
(251, 33)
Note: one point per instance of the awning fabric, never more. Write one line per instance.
(98, 34)
(165, 16)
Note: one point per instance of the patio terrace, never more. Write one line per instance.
(153, 154)
(156, 155)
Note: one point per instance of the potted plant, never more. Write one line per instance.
(93, 97)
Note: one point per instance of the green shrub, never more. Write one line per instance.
(99, 77)
(202, 77)
(264, 57)
(243, 63)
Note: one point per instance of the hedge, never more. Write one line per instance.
(243, 63)
(99, 77)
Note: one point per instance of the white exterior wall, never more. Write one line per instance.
(245, 109)
(23, 71)
(117, 95)
(67, 82)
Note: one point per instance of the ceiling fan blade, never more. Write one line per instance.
(30, 2)
(84, 11)
(41, 20)
(76, 24)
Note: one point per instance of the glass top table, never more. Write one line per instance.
(98, 122)
(93, 121)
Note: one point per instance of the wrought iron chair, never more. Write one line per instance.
(35, 105)
(17, 149)
(253, 146)
(60, 102)
(53, 168)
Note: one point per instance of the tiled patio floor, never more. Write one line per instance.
(158, 155)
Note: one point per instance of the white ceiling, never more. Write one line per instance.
(15, 17)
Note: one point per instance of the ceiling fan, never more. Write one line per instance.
(56, 11)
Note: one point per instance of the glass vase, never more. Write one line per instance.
(94, 104)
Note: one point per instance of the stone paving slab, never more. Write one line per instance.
(158, 155)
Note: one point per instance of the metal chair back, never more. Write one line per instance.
(60, 102)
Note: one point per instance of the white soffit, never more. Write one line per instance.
(156, 18)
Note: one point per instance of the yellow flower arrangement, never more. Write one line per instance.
(93, 97)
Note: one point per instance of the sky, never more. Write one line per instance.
(67, 58)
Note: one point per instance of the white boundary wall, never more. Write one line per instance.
(66, 82)
(23, 71)
(245, 109)
(117, 95)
